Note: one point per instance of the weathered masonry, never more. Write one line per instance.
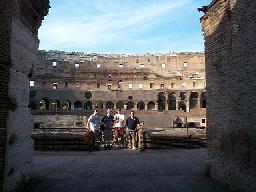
(19, 23)
(230, 51)
(152, 82)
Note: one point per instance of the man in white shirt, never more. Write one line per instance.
(119, 126)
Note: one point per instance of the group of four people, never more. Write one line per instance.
(122, 127)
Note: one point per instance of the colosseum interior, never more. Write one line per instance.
(229, 31)
(173, 83)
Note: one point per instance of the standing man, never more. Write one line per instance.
(132, 124)
(107, 122)
(94, 126)
(119, 126)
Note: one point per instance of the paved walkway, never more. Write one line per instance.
(124, 171)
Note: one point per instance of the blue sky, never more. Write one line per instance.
(123, 26)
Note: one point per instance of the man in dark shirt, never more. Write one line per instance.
(132, 125)
(107, 122)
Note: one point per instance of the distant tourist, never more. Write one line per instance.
(93, 125)
(132, 125)
(106, 126)
(119, 127)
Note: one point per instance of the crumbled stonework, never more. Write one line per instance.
(230, 52)
(20, 21)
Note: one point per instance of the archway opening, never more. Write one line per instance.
(151, 105)
(66, 105)
(141, 105)
(120, 105)
(161, 101)
(88, 105)
(78, 105)
(109, 105)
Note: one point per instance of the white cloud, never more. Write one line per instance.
(114, 24)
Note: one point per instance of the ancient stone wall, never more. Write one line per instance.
(63, 79)
(150, 119)
(19, 43)
(230, 48)
(5, 63)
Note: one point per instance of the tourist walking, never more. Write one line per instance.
(132, 127)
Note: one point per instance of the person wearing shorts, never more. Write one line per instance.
(132, 125)
(119, 125)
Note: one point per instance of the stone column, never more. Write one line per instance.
(199, 100)
(187, 106)
(146, 105)
(72, 106)
(156, 105)
(166, 105)
(177, 104)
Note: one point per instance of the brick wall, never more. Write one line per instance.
(230, 48)
(18, 52)
(5, 63)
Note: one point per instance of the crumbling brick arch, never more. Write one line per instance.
(172, 101)
(203, 100)
(109, 105)
(151, 105)
(99, 105)
(54, 105)
(66, 105)
(182, 105)
(141, 105)
(44, 104)
(194, 100)
(78, 105)
(161, 101)
(88, 105)
(130, 105)
(120, 105)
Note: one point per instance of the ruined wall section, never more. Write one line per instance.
(230, 48)
(26, 18)
(93, 69)
(5, 63)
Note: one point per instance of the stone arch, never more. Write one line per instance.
(99, 105)
(172, 101)
(203, 100)
(44, 104)
(55, 105)
(141, 105)
(193, 100)
(66, 105)
(120, 105)
(182, 105)
(130, 105)
(88, 105)
(161, 101)
(78, 105)
(151, 105)
(109, 105)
